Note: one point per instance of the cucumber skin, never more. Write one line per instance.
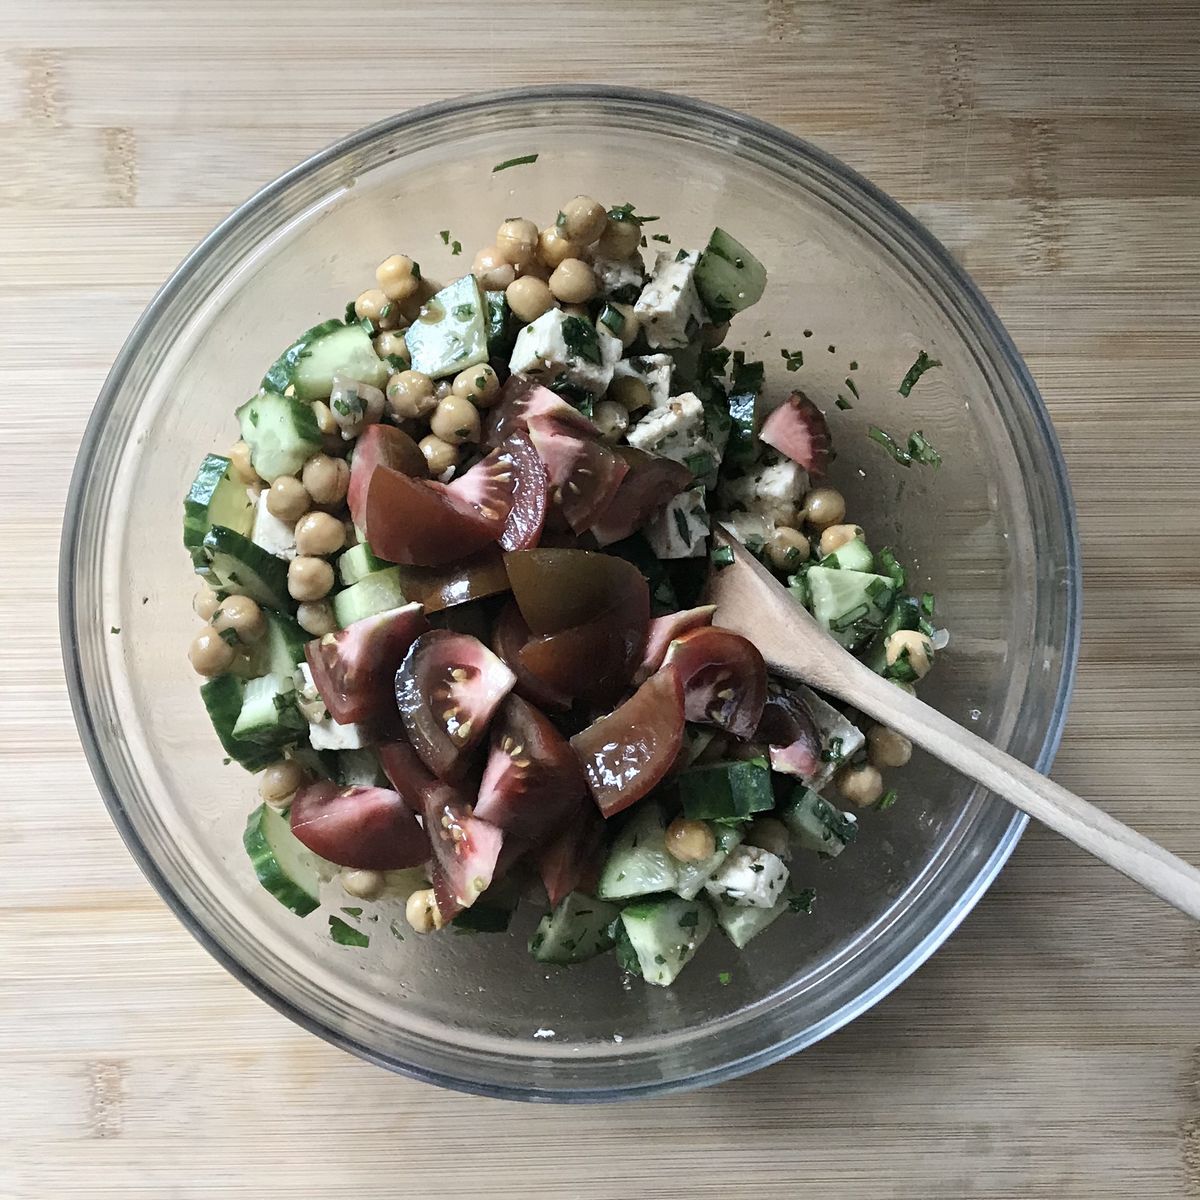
(267, 869)
(718, 277)
(269, 589)
(294, 367)
(374, 593)
(223, 700)
(213, 472)
(853, 556)
(747, 791)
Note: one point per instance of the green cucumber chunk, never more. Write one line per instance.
(853, 556)
(236, 565)
(451, 332)
(745, 388)
(816, 824)
(359, 768)
(638, 863)
(358, 562)
(905, 614)
(374, 593)
(692, 876)
(665, 933)
(726, 790)
(281, 651)
(289, 871)
(269, 716)
(501, 329)
(223, 700)
(851, 605)
(281, 432)
(309, 364)
(215, 498)
(578, 929)
(742, 922)
(728, 277)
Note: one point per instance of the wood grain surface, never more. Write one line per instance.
(1052, 1048)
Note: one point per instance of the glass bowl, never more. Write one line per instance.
(859, 287)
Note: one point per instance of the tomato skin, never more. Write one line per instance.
(509, 636)
(710, 662)
(530, 495)
(376, 445)
(627, 752)
(573, 860)
(649, 482)
(487, 487)
(407, 774)
(366, 828)
(437, 588)
(353, 669)
(465, 848)
(558, 588)
(520, 399)
(787, 727)
(584, 473)
(664, 630)
(798, 429)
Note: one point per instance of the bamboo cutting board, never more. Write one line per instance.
(1051, 1048)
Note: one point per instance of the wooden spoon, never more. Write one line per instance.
(750, 601)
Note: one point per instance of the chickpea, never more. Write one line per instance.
(910, 644)
(374, 306)
(529, 297)
(365, 885)
(316, 617)
(410, 395)
(205, 602)
(493, 270)
(690, 841)
(573, 281)
(309, 578)
(319, 534)
(441, 389)
(326, 479)
(630, 392)
(243, 616)
(583, 220)
(327, 427)
(554, 246)
(770, 834)
(480, 385)
(421, 911)
(288, 499)
(517, 241)
(620, 239)
(611, 419)
(788, 548)
(834, 537)
(824, 506)
(280, 781)
(456, 420)
(439, 456)
(392, 345)
(631, 325)
(210, 654)
(862, 786)
(887, 748)
(396, 277)
(575, 310)
(240, 464)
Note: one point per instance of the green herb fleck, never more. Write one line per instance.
(891, 567)
(924, 363)
(456, 248)
(520, 161)
(580, 338)
(922, 451)
(353, 912)
(802, 901)
(689, 920)
(854, 367)
(624, 212)
(890, 444)
(115, 629)
(700, 463)
(658, 958)
(927, 604)
(808, 333)
(722, 557)
(831, 349)
(833, 752)
(793, 359)
(887, 800)
(852, 386)
(612, 319)
(463, 312)
(226, 761)
(444, 234)
(842, 402)
(661, 237)
(681, 524)
(723, 978)
(227, 635)
(347, 935)
(350, 316)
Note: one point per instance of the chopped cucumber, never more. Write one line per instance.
(745, 388)
(726, 790)
(740, 923)
(282, 650)
(692, 876)
(374, 593)
(451, 332)
(289, 871)
(728, 277)
(281, 432)
(579, 928)
(358, 562)
(816, 824)
(359, 768)
(905, 614)
(309, 364)
(501, 331)
(851, 605)
(841, 739)
(215, 498)
(223, 699)
(665, 933)
(638, 863)
(269, 716)
(236, 565)
(853, 556)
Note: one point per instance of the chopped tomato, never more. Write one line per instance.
(533, 780)
(353, 670)
(522, 398)
(572, 861)
(790, 733)
(584, 474)
(649, 482)
(509, 636)
(530, 496)
(487, 487)
(798, 429)
(367, 828)
(724, 679)
(437, 588)
(465, 848)
(380, 445)
(664, 630)
(406, 772)
(447, 689)
(626, 753)
(559, 588)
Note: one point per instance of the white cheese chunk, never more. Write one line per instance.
(270, 533)
(555, 348)
(749, 876)
(619, 279)
(771, 489)
(654, 370)
(752, 530)
(679, 530)
(669, 307)
(325, 733)
(672, 430)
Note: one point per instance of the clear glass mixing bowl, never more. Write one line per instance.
(991, 533)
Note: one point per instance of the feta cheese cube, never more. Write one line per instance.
(670, 308)
(270, 533)
(559, 347)
(619, 279)
(839, 738)
(751, 529)
(749, 876)
(771, 489)
(679, 530)
(325, 733)
(654, 370)
(671, 431)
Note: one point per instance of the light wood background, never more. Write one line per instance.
(1051, 1049)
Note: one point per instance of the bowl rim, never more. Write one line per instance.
(789, 144)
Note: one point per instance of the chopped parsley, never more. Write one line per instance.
(793, 359)
(347, 935)
(722, 557)
(464, 312)
(115, 629)
(580, 338)
(701, 463)
(456, 248)
(613, 319)
(842, 402)
(833, 752)
(802, 901)
(352, 912)
(891, 567)
(351, 316)
(886, 800)
(561, 220)
(661, 237)
(227, 635)
(681, 524)
(724, 978)
(917, 448)
(851, 384)
(624, 212)
(808, 333)
(690, 919)
(927, 604)
(444, 234)
(831, 349)
(521, 160)
(924, 363)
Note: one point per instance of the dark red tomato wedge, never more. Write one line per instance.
(626, 753)
(521, 399)
(367, 828)
(532, 781)
(584, 474)
(487, 487)
(530, 494)
(664, 630)
(787, 727)
(465, 849)
(447, 689)
(437, 588)
(353, 670)
(406, 773)
(649, 482)
(724, 679)
(419, 522)
(509, 637)
(380, 445)
(558, 588)
(572, 861)
(798, 429)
